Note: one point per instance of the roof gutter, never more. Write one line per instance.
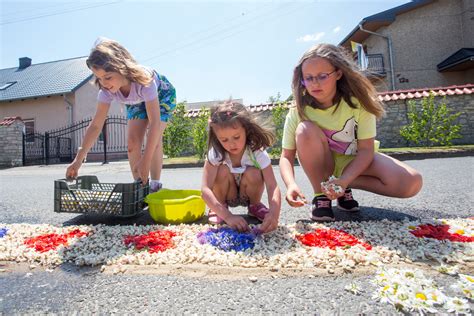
(390, 54)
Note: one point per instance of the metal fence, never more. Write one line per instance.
(60, 145)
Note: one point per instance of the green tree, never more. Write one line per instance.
(177, 135)
(430, 124)
(200, 133)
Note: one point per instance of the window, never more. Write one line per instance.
(29, 130)
(4, 86)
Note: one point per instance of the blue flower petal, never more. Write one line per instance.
(3, 231)
(227, 239)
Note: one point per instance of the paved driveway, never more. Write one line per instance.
(26, 196)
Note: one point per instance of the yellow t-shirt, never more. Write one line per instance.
(342, 128)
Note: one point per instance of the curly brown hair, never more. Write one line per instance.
(110, 56)
(353, 82)
(258, 133)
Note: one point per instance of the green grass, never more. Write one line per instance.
(195, 159)
(426, 149)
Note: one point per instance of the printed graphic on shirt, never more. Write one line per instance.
(344, 141)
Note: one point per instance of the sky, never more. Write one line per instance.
(209, 50)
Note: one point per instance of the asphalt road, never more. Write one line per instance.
(26, 196)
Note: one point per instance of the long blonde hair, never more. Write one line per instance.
(258, 134)
(110, 56)
(353, 83)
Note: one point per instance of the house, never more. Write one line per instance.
(49, 95)
(208, 104)
(423, 43)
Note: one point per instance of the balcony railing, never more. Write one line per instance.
(376, 65)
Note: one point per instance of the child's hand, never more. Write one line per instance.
(333, 188)
(142, 170)
(270, 223)
(73, 170)
(237, 222)
(294, 196)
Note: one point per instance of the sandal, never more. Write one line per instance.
(258, 210)
(213, 218)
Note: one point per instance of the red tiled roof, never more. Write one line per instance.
(383, 96)
(9, 120)
(424, 92)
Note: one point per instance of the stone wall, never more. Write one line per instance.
(388, 128)
(11, 144)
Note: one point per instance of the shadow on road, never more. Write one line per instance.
(368, 214)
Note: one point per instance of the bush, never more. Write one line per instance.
(431, 124)
(200, 133)
(278, 118)
(177, 135)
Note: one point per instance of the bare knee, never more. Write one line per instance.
(252, 176)
(223, 174)
(309, 131)
(133, 145)
(411, 184)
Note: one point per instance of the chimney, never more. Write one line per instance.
(25, 62)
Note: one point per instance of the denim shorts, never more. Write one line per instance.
(166, 97)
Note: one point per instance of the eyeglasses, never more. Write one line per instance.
(321, 78)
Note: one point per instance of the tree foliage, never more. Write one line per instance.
(177, 135)
(200, 133)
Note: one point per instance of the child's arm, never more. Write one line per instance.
(363, 159)
(142, 168)
(92, 132)
(294, 196)
(270, 221)
(208, 179)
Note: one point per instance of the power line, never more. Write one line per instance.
(29, 10)
(58, 13)
(214, 26)
(199, 42)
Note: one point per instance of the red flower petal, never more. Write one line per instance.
(330, 238)
(155, 241)
(49, 242)
(439, 232)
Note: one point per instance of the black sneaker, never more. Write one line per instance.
(321, 210)
(347, 202)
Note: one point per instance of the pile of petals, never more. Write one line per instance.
(330, 238)
(155, 241)
(227, 239)
(3, 232)
(440, 232)
(409, 290)
(49, 242)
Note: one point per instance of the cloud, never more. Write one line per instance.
(311, 37)
(336, 29)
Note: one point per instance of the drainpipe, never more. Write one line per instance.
(389, 51)
(69, 109)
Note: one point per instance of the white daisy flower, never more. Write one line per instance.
(457, 305)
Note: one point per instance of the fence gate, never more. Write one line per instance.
(60, 145)
(33, 149)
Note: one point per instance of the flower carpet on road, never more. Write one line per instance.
(345, 245)
(409, 290)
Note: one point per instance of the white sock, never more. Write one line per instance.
(157, 182)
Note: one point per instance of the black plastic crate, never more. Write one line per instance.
(87, 195)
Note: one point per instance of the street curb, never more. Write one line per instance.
(397, 155)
